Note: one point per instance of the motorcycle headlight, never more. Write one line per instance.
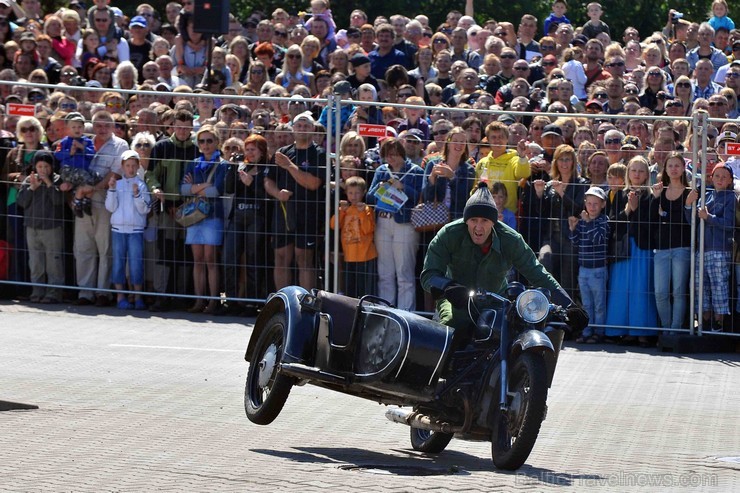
(532, 306)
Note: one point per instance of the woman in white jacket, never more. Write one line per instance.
(128, 201)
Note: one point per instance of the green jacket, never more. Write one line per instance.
(452, 256)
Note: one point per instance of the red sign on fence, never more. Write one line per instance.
(733, 148)
(17, 109)
(368, 130)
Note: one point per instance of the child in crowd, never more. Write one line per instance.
(615, 176)
(590, 234)
(75, 153)
(42, 204)
(218, 62)
(128, 202)
(90, 45)
(557, 16)
(573, 71)
(500, 196)
(595, 25)
(415, 117)
(320, 9)
(357, 228)
(28, 46)
(719, 16)
(717, 210)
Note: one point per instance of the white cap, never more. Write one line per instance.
(130, 154)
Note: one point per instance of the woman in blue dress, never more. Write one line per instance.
(631, 303)
(204, 177)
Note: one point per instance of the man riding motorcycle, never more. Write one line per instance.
(477, 252)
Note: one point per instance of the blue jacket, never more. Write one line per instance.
(720, 224)
(200, 175)
(80, 160)
(411, 176)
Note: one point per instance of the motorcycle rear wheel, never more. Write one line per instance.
(430, 442)
(266, 389)
(515, 431)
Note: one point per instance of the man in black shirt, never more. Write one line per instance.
(296, 181)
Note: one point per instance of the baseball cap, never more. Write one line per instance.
(594, 102)
(507, 119)
(5, 2)
(552, 129)
(28, 36)
(342, 87)
(139, 21)
(389, 132)
(74, 117)
(725, 166)
(93, 83)
(359, 59)
(727, 135)
(305, 116)
(130, 154)
(44, 156)
(579, 39)
(163, 86)
(596, 192)
(414, 133)
(117, 12)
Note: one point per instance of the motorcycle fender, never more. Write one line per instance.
(300, 336)
(537, 342)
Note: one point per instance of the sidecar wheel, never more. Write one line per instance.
(430, 442)
(516, 430)
(267, 389)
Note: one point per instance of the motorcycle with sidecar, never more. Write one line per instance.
(492, 386)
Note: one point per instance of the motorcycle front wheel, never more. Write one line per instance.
(430, 442)
(267, 389)
(515, 431)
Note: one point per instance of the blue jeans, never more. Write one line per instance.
(672, 267)
(128, 246)
(592, 284)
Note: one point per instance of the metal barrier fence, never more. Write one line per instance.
(247, 264)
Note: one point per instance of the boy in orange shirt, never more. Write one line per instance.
(357, 227)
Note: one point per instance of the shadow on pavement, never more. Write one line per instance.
(415, 463)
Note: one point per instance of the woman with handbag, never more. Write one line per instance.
(449, 177)
(395, 237)
(204, 183)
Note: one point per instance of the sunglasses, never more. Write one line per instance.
(548, 64)
(109, 58)
(510, 57)
(547, 48)
(427, 35)
(683, 84)
(293, 56)
(613, 141)
(205, 141)
(143, 145)
(631, 91)
(674, 104)
(615, 64)
(27, 130)
(440, 40)
(601, 95)
(111, 104)
(653, 74)
(258, 72)
(40, 97)
(405, 94)
(732, 75)
(282, 34)
(102, 20)
(716, 103)
(440, 132)
(521, 69)
(68, 106)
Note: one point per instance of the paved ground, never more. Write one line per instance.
(143, 403)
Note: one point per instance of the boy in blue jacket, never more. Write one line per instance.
(75, 153)
(590, 234)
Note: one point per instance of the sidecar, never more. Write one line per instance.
(361, 347)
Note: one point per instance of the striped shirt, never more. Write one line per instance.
(592, 239)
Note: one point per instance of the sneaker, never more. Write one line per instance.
(87, 206)
(125, 305)
(716, 326)
(77, 207)
(139, 305)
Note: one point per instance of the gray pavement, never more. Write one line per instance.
(131, 402)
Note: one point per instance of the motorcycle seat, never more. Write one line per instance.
(342, 310)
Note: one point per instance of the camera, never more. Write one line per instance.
(676, 16)
(237, 157)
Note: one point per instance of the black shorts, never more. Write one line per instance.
(287, 229)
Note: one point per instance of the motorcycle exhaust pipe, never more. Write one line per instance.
(421, 421)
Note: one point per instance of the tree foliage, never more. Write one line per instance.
(646, 15)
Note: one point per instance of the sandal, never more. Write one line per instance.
(197, 307)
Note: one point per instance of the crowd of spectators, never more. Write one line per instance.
(147, 83)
